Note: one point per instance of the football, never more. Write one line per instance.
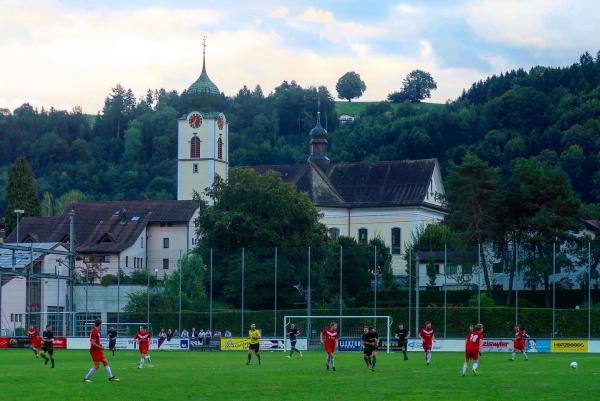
(574, 365)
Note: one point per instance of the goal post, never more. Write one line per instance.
(348, 327)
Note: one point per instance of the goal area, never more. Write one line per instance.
(349, 328)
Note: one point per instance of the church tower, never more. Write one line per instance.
(203, 140)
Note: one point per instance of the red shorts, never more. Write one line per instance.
(329, 348)
(519, 345)
(427, 346)
(471, 354)
(97, 355)
(143, 349)
(36, 344)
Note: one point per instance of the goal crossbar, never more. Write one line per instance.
(388, 319)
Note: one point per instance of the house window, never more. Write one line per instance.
(220, 148)
(165, 243)
(106, 259)
(165, 264)
(126, 261)
(195, 168)
(467, 269)
(142, 242)
(334, 233)
(363, 236)
(451, 269)
(195, 147)
(396, 241)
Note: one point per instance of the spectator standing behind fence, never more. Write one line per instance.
(185, 333)
(169, 334)
(176, 333)
(162, 336)
(227, 334)
(194, 334)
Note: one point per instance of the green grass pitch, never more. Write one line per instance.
(220, 376)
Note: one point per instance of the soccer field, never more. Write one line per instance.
(224, 376)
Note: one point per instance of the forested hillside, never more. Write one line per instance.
(129, 150)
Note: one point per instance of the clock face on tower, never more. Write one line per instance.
(195, 120)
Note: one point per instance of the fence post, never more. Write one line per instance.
(243, 267)
(1, 303)
(341, 286)
(517, 284)
(210, 299)
(180, 280)
(418, 279)
(308, 303)
(553, 287)
(445, 288)
(409, 267)
(375, 286)
(119, 292)
(589, 290)
(479, 283)
(275, 299)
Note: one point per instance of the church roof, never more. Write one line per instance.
(365, 184)
(203, 86)
(104, 227)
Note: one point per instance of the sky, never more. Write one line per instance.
(72, 52)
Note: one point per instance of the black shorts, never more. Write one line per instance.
(49, 350)
(368, 351)
(293, 342)
(402, 344)
(112, 344)
(254, 347)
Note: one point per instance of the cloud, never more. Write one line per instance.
(550, 25)
(280, 12)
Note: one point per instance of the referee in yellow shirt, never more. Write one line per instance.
(254, 343)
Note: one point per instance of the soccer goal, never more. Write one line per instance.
(349, 328)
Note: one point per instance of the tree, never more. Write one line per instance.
(350, 86)
(92, 270)
(416, 86)
(549, 213)
(257, 213)
(474, 197)
(21, 193)
(193, 290)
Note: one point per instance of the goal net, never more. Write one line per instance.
(350, 329)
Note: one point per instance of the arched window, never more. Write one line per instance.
(363, 236)
(334, 233)
(195, 147)
(396, 241)
(220, 148)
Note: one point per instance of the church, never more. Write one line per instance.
(386, 199)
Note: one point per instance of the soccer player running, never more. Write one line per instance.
(519, 343)
(329, 338)
(112, 340)
(402, 336)
(473, 348)
(48, 345)
(143, 338)
(35, 342)
(97, 354)
(428, 337)
(370, 340)
(253, 343)
(293, 334)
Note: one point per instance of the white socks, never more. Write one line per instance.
(513, 356)
(108, 371)
(475, 365)
(465, 366)
(142, 360)
(428, 358)
(90, 373)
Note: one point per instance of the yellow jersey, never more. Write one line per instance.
(254, 336)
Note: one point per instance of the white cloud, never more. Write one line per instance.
(312, 14)
(551, 25)
(64, 57)
(280, 12)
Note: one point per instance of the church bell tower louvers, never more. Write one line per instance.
(203, 138)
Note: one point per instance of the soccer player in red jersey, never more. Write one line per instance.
(427, 335)
(519, 343)
(35, 343)
(97, 353)
(473, 348)
(329, 339)
(142, 338)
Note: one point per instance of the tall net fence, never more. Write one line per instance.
(551, 289)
